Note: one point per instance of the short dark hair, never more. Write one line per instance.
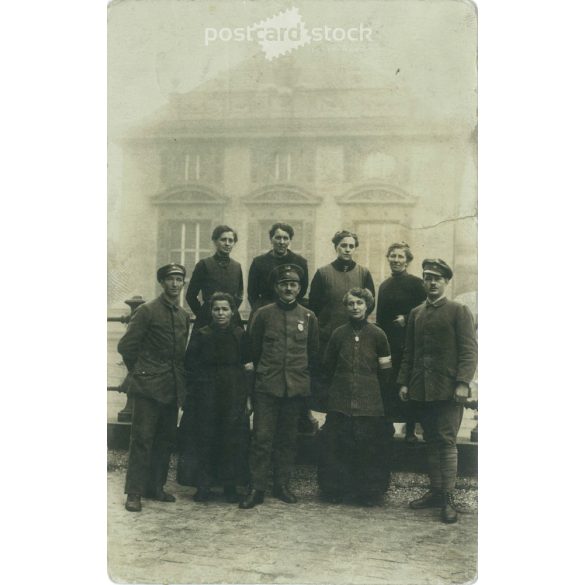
(285, 227)
(220, 229)
(344, 234)
(401, 246)
(361, 293)
(222, 296)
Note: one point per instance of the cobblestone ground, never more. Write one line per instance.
(308, 542)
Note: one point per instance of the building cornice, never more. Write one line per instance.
(279, 194)
(191, 194)
(377, 194)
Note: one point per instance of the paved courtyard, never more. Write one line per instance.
(309, 542)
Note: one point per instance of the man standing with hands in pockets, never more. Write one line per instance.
(438, 365)
(153, 349)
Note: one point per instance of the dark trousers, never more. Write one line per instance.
(152, 438)
(440, 421)
(274, 439)
(354, 455)
(395, 409)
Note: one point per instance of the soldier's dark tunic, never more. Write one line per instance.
(397, 295)
(285, 345)
(153, 349)
(354, 445)
(214, 429)
(440, 351)
(260, 287)
(216, 273)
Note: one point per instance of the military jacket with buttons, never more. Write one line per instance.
(440, 350)
(153, 349)
(285, 345)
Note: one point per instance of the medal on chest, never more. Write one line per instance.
(300, 326)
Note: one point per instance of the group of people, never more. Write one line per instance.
(297, 354)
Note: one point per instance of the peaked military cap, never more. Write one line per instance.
(169, 269)
(438, 267)
(286, 272)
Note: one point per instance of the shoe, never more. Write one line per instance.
(163, 496)
(432, 499)
(251, 499)
(448, 512)
(133, 503)
(202, 495)
(230, 494)
(411, 438)
(284, 494)
(160, 496)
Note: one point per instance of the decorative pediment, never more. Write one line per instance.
(189, 195)
(282, 194)
(377, 194)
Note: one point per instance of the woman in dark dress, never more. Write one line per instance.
(214, 429)
(354, 444)
(397, 296)
(328, 287)
(216, 273)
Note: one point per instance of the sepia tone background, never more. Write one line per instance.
(375, 136)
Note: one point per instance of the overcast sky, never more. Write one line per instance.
(157, 46)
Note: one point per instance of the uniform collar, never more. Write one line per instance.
(167, 303)
(286, 306)
(438, 303)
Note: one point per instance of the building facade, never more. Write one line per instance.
(313, 142)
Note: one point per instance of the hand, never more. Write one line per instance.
(461, 393)
(400, 321)
(403, 393)
(249, 407)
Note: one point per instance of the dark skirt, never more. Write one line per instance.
(354, 455)
(214, 435)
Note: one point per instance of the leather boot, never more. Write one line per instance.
(133, 503)
(284, 494)
(162, 496)
(251, 499)
(448, 512)
(432, 499)
(159, 495)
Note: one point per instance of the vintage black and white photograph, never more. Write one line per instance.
(292, 321)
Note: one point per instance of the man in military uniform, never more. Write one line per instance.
(261, 289)
(153, 349)
(438, 365)
(284, 339)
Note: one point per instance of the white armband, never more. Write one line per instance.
(385, 362)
